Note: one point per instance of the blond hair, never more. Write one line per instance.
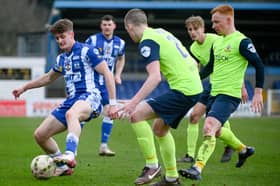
(195, 21)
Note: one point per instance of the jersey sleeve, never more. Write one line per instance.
(122, 48)
(208, 69)
(149, 51)
(248, 51)
(94, 57)
(57, 66)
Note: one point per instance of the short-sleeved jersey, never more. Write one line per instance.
(202, 51)
(109, 49)
(229, 66)
(176, 64)
(77, 67)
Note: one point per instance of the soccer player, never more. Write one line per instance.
(200, 50)
(112, 48)
(230, 56)
(77, 64)
(161, 53)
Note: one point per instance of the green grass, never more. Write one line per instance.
(17, 148)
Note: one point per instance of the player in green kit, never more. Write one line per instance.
(161, 53)
(229, 58)
(200, 50)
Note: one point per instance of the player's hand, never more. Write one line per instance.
(118, 80)
(244, 95)
(17, 92)
(112, 112)
(126, 110)
(257, 102)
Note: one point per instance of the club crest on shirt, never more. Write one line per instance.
(67, 64)
(145, 51)
(228, 48)
(251, 48)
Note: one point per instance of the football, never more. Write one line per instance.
(43, 167)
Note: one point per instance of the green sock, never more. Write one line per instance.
(167, 149)
(192, 136)
(145, 138)
(230, 139)
(227, 125)
(206, 149)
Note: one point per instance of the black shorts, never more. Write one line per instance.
(172, 106)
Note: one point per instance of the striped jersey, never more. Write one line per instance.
(77, 67)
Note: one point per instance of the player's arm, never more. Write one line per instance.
(208, 69)
(149, 51)
(43, 80)
(119, 69)
(248, 51)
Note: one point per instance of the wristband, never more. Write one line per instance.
(113, 102)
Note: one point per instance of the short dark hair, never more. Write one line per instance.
(61, 26)
(108, 18)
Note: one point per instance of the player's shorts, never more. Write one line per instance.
(172, 106)
(221, 107)
(104, 95)
(206, 93)
(94, 99)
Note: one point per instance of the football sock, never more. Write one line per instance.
(206, 150)
(106, 129)
(72, 142)
(230, 139)
(192, 136)
(227, 125)
(167, 149)
(55, 154)
(145, 138)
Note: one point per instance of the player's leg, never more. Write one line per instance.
(43, 135)
(83, 109)
(145, 138)
(106, 128)
(219, 110)
(228, 150)
(167, 151)
(243, 151)
(193, 132)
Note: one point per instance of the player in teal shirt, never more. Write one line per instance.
(162, 53)
(229, 58)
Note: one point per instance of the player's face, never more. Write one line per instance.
(65, 40)
(219, 23)
(107, 28)
(195, 32)
(131, 32)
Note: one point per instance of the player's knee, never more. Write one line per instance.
(208, 129)
(194, 118)
(38, 136)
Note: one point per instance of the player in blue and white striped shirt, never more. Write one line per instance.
(78, 65)
(112, 48)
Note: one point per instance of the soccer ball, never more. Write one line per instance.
(43, 167)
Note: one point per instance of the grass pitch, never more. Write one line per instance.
(17, 149)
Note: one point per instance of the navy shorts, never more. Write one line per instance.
(221, 107)
(206, 93)
(93, 99)
(172, 106)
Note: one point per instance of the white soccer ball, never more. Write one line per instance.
(43, 167)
